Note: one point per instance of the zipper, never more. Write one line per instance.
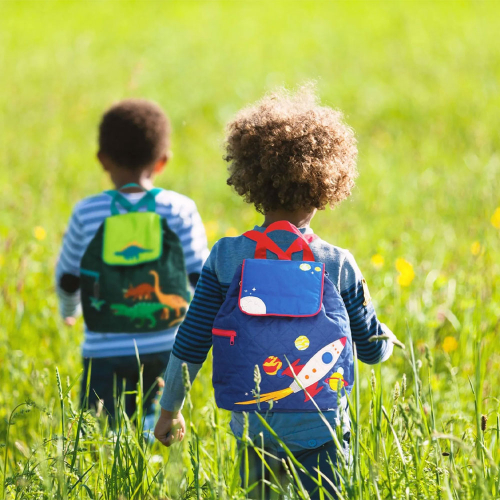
(225, 333)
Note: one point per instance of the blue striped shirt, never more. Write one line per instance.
(194, 338)
(182, 217)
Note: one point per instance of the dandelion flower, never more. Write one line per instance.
(450, 344)
(406, 272)
(232, 232)
(40, 233)
(475, 248)
(495, 218)
(377, 261)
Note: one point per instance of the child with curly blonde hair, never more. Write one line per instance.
(290, 157)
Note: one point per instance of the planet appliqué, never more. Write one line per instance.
(336, 380)
(302, 343)
(272, 364)
(305, 267)
(252, 305)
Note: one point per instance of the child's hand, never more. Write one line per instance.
(70, 321)
(387, 335)
(170, 427)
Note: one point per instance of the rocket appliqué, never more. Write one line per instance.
(306, 377)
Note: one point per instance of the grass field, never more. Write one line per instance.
(418, 81)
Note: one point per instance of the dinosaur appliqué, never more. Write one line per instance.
(173, 307)
(132, 251)
(144, 291)
(142, 311)
(174, 303)
(96, 303)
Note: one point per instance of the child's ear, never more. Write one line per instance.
(103, 160)
(162, 163)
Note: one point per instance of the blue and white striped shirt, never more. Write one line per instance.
(182, 217)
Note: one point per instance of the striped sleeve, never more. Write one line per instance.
(363, 319)
(174, 393)
(194, 338)
(70, 257)
(193, 238)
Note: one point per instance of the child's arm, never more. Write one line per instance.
(194, 242)
(68, 269)
(362, 316)
(192, 343)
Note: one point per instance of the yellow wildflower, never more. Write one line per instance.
(232, 232)
(495, 218)
(402, 265)
(475, 248)
(405, 280)
(406, 272)
(40, 233)
(450, 344)
(377, 261)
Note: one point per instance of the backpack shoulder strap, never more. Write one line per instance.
(265, 243)
(147, 200)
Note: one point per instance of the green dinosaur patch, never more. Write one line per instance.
(143, 311)
(96, 303)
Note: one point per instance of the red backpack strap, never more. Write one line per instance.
(310, 237)
(265, 243)
(300, 245)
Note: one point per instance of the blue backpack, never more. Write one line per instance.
(286, 318)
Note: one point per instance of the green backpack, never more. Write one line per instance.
(133, 277)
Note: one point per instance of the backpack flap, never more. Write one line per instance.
(281, 288)
(132, 238)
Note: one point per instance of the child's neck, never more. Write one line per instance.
(145, 182)
(299, 218)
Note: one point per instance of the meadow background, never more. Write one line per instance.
(418, 81)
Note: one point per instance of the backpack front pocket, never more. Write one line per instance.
(131, 239)
(224, 333)
(281, 288)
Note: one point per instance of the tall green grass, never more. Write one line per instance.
(399, 451)
(418, 81)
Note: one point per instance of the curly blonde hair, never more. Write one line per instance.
(288, 152)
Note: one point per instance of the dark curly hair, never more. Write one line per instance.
(134, 133)
(289, 152)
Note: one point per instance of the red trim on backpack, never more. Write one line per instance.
(310, 237)
(224, 333)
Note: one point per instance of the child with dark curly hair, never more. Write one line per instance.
(290, 157)
(134, 147)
